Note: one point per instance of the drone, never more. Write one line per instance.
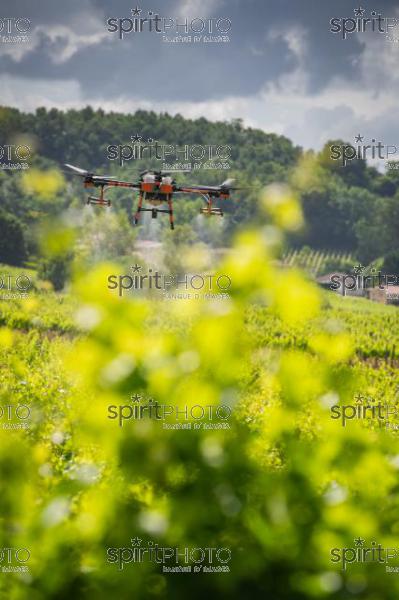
(156, 189)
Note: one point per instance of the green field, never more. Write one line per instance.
(283, 477)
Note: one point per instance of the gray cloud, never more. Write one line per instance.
(282, 70)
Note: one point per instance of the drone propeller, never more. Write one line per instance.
(166, 173)
(228, 185)
(78, 171)
(92, 177)
(82, 173)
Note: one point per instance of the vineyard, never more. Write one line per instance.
(318, 262)
(277, 355)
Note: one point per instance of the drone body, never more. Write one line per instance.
(156, 189)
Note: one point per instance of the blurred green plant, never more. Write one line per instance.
(281, 488)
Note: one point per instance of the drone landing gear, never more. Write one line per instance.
(170, 210)
(139, 209)
(98, 201)
(101, 201)
(209, 209)
(154, 211)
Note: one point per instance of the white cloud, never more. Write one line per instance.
(78, 31)
(28, 94)
(342, 109)
(67, 42)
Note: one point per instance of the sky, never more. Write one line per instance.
(280, 67)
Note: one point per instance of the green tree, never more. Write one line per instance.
(56, 269)
(391, 262)
(12, 240)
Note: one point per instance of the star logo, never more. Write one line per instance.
(359, 138)
(135, 11)
(136, 138)
(358, 269)
(359, 542)
(136, 268)
(358, 398)
(136, 541)
(135, 398)
(172, 280)
(359, 11)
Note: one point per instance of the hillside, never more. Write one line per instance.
(350, 209)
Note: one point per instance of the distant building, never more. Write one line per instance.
(392, 295)
(376, 295)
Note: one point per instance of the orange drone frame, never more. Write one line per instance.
(155, 188)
